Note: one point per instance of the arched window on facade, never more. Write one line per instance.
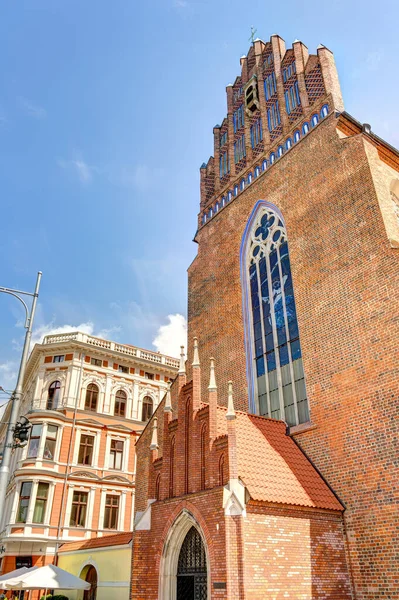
(157, 487)
(204, 438)
(222, 471)
(280, 391)
(187, 447)
(148, 407)
(53, 395)
(91, 397)
(172, 468)
(120, 403)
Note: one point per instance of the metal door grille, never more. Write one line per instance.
(191, 569)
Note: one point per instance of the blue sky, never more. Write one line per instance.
(106, 114)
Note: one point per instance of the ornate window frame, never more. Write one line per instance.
(263, 207)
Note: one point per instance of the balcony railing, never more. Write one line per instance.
(125, 349)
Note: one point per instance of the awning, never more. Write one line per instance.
(49, 577)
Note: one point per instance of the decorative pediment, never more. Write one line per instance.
(116, 478)
(89, 422)
(120, 428)
(85, 475)
(234, 498)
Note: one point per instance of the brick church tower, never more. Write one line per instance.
(285, 487)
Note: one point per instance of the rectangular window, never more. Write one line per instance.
(256, 132)
(116, 455)
(86, 450)
(58, 359)
(24, 497)
(149, 375)
(223, 164)
(41, 502)
(298, 98)
(111, 513)
(79, 508)
(96, 362)
(270, 85)
(273, 116)
(50, 441)
(34, 441)
(223, 139)
(238, 118)
(239, 149)
(123, 369)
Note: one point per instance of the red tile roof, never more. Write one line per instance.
(119, 539)
(273, 467)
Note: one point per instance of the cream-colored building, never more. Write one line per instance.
(105, 562)
(88, 400)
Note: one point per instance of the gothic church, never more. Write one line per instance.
(269, 470)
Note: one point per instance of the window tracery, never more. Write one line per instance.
(277, 358)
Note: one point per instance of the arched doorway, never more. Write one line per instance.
(191, 568)
(91, 577)
(185, 554)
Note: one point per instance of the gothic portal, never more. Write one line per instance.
(191, 569)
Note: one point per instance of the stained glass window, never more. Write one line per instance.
(280, 383)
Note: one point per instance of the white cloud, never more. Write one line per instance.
(37, 112)
(82, 169)
(49, 329)
(8, 375)
(171, 336)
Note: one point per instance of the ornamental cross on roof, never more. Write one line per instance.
(253, 32)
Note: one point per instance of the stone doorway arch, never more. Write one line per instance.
(185, 570)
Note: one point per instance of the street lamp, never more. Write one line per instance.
(17, 394)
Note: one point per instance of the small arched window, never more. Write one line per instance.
(305, 128)
(297, 136)
(216, 207)
(210, 213)
(272, 158)
(235, 190)
(204, 437)
(324, 111)
(147, 409)
(288, 143)
(280, 151)
(157, 487)
(249, 178)
(229, 195)
(172, 468)
(315, 120)
(120, 403)
(53, 395)
(264, 165)
(222, 471)
(91, 397)
(257, 171)
(223, 200)
(204, 218)
(242, 184)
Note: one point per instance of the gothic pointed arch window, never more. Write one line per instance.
(172, 468)
(53, 395)
(273, 345)
(204, 437)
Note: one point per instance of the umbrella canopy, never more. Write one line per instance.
(11, 574)
(49, 577)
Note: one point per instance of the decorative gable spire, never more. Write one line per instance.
(154, 439)
(182, 366)
(196, 377)
(212, 380)
(231, 413)
(196, 361)
(168, 400)
(182, 369)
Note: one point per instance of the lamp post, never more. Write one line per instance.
(17, 394)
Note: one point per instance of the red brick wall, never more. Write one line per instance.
(345, 279)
